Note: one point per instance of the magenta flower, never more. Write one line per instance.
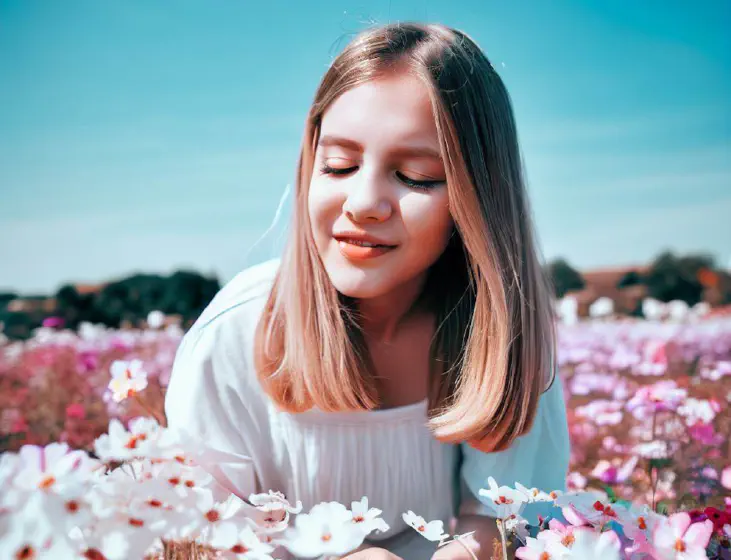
(53, 322)
(705, 434)
(614, 472)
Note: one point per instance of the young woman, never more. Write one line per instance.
(402, 346)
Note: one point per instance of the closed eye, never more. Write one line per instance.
(423, 185)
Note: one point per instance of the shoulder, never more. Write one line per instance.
(218, 347)
(547, 440)
(237, 296)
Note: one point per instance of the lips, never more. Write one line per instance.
(359, 237)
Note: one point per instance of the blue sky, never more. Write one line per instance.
(149, 136)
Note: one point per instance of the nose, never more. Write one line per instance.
(366, 200)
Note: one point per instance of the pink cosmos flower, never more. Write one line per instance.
(726, 478)
(676, 538)
(602, 412)
(718, 371)
(661, 396)
(75, 411)
(587, 508)
(87, 361)
(560, 532)
(575, 481)
(614, 472)
(699, 410)
(655, 352)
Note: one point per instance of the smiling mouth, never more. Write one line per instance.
(364, 243)
(360, 251)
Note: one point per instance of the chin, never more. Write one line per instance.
(354, 282)
(358, 286)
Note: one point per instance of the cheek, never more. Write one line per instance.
(323, 207)
(428, 221)
(316, 205)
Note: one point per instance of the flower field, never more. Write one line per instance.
(648, 409)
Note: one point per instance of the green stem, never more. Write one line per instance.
(501, 528)
(147, 409)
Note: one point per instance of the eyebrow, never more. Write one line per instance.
(412, 151)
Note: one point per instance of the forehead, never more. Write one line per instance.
(388, 110)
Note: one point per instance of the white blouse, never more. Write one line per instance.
(387, 455)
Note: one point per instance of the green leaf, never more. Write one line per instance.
(660, 463)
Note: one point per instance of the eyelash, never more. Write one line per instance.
(420, 185)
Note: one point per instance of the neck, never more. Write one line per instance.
(384, 316)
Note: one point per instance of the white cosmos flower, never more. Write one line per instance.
(541, 549)
(145, 438)
(653, 310)
(503, 500)
(155, 319)
(25, 533)
(270, 501)
(210, 513)
(638, 520)
(588, 508)
(118, 538)
(180, 481)
(568, 310)
(594, 545)
(239, 542)
(433, 531)
(678, 310)
(128, 378)
(602, 307)
(518, 525)
(52, 468)
(326, 529)
(698, 410)
(368, 519)
(535, 495)
(267, 522)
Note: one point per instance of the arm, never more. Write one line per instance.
(199, 406)
(369, 552)
(547, 438)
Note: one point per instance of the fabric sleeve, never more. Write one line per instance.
(538, 459)
(202, 405)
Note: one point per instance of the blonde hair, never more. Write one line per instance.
(492, 353)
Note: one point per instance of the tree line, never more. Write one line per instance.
(123, 302)
(690, 278)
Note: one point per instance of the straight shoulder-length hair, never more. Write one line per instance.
(492, 352)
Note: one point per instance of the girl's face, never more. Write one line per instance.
(378, 171)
